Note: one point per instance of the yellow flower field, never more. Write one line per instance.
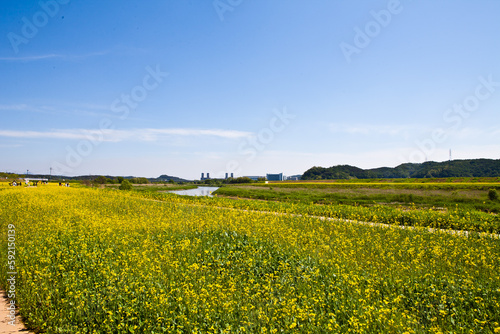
(99, 261)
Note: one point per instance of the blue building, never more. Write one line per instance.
(274, 177)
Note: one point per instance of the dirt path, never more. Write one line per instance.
(6, 324)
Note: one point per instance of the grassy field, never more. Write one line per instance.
(469, 194)
(109, 261)
(154, 187)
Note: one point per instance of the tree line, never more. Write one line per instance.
(430, 169)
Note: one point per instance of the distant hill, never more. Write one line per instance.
(166, 178)
(161, 178)
(454, 168)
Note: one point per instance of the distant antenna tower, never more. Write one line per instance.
(450, 154)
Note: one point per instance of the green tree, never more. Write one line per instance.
(139, 180)
(242, 179)
(493, 194)
(100, 180)
(120, 179)
(126, 185)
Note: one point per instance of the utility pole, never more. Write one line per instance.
(50, 175)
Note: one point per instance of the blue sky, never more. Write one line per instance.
(183, 87)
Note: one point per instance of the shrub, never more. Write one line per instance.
(126, 185)
(86, 183)
(493, 194)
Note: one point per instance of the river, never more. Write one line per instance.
(200, 191)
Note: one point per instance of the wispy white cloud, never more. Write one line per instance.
(230, 134)
(85, 109)
(33, 58)
(109, 135)
(13, 107)
(91, 106)
(26, 107)
(40, 135)
(55, 56)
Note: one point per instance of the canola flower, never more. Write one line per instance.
(96, 261)
(456, 219)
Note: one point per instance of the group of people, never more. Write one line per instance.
(27, 183)
(35, 183)
(63, 185)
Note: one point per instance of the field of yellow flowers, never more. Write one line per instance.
(103, 261)
(457, 218)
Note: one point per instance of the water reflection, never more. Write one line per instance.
(200, 191)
